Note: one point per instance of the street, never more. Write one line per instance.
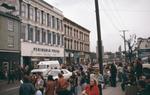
(13, 89)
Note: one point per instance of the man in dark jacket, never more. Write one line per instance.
(113, 71)
(138, 68)
(26, 88)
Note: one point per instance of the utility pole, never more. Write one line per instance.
(124, 38)
(99, 43)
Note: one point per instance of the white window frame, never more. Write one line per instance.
(39, 16)
(10, 25)
(11, 41)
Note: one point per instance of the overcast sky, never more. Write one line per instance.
(115, 15)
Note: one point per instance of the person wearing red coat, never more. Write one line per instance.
(91, 89)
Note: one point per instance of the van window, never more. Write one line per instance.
(42, 66)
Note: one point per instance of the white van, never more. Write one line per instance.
(45, 66)
(49, 65)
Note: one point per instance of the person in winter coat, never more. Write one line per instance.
(113, 71)
(91, 89)
(50, 86)
(39, 85)
(26, 88)
(62, 85)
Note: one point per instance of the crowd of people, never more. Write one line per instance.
(129, 76)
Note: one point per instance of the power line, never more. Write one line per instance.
(117, 12)
(113, 14)
(109, 17)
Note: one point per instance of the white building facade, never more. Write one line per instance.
(42, 32)
(143, 46)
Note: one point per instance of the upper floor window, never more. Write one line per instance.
(32, 15)
(58, 39)
(58, 24)
(38, 16)
(44, 18)
(23, 31)
(43, 36)
(11, 41)
(54, 38)
(53, 22)
(49, 37)
(37, 34)
(62, 40)
(48, 20)
(10, 25)
(23, 10)
(30, 33)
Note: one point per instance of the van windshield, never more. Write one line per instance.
(43, 66)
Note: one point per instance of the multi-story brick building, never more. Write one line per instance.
(77, 43)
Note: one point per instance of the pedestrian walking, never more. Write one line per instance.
(100, 80)
(26, 88)
(138, 68)
(113, 72)
(91, 89)
(38, 92)
(62, 86)
(73, 84)
(50, 86)
(39, 85)
(11, 76)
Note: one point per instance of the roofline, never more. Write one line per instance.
(9, 16)
(54, 8)
(77, 24)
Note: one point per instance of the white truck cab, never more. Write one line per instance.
(45, 66)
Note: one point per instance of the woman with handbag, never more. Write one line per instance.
(91, 89)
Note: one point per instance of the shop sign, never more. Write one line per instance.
(30, 49)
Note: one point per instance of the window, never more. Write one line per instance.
(61, 25)
(37, 35)
(65, 43)
(65, 29)
(30, 34)
(74, 45)
(49, 37)
(43, 36)
(58, 24)
(53, 22)
(71, 44)
(70, 31)
(10, 25)
(32, 13)
(62, 40)
(38, 15)
(11, 41)
(23, 31)
(54, 38)
(48, 20)
(23, 10)
(58, 39)
(44, 18)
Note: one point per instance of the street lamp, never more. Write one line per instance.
(99, 43)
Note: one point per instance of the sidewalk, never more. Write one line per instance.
(113, 90)
(5, 86)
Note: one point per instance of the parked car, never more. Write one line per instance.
(54, 72)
